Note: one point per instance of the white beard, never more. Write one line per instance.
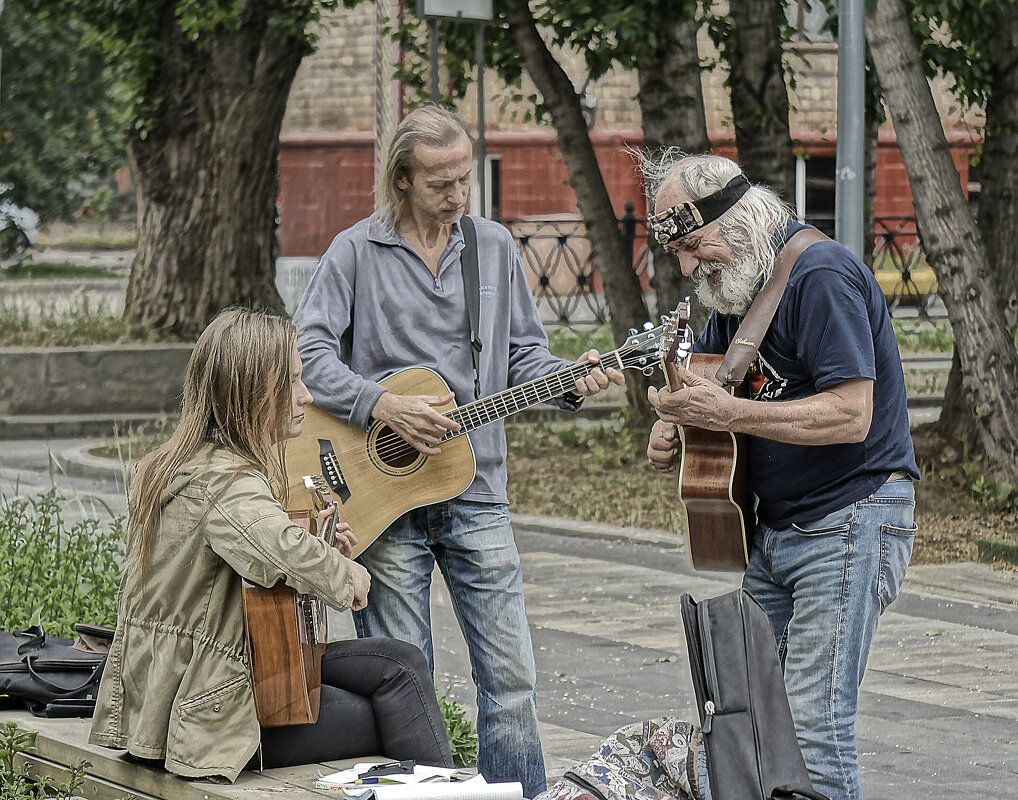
(736, 287)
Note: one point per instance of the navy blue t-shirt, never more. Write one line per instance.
(831, 325)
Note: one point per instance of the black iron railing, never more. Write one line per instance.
(562, 271)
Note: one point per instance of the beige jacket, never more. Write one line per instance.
(176, 685)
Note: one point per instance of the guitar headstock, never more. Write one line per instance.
(677, 338)
(321, 496)
(640, 350)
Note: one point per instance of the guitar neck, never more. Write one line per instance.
(510, 401)
(671, 376)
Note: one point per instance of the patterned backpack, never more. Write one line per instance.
(660, 759)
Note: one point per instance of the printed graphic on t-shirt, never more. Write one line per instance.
(764, 381)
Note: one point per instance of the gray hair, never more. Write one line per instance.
(430, 125)
(749, 225)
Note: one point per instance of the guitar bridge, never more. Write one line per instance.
(331, 471)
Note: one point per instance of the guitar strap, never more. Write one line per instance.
(749, 336)
(472, 290)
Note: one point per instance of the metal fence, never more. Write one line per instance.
(562, 270)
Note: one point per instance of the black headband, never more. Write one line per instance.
(678, 221)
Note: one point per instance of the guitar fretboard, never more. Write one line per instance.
(508, 402)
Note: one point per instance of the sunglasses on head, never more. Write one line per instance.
(681, 220)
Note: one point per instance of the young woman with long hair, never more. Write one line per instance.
(204, 513)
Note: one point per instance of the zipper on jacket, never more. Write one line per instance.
(695, 649)
(583, 783)
(710, 670)
(708, 716)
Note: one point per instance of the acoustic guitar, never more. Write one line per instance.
(376, 475)
(713, 490)
(287, 632)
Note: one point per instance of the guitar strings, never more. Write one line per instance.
(390, 446)
(395, 446)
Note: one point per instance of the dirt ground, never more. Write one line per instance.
(604, 479)
(950, 521)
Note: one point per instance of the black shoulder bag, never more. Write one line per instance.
(748, 733)
(51, 676)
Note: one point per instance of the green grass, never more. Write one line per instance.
(98, 241)
(570, 343)
(914, 336)
(49, 270)
(85, 323)
(996, 550)
(136, 441)
(920, 336)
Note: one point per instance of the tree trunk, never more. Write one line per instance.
(870, 145)
(986, 355)
(206, 171)
(957, 425)
(998, 199)
(672, 110)
(621, 287)
(760, 96)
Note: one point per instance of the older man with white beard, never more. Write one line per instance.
(830, 457)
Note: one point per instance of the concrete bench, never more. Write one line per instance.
(63, 743)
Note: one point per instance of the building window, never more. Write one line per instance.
(814, 191)
(493, 185)
(492, 206)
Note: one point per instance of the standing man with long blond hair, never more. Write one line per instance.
(387, 295)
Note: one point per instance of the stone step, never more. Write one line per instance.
(63, 743)
(73, 426)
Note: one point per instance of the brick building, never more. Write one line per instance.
(327, 155)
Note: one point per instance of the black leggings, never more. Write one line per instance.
(378, 698)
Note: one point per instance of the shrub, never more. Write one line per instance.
(462, 733)
(59, 562)
(17, 784)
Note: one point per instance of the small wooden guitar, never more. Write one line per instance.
(376, 476)
(286, 634)
(713, 489)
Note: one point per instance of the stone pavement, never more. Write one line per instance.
(939, 708)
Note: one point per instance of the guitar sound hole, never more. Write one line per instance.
(393, 451)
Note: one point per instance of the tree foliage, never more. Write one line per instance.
(129, 33)
(61, 118)
(607, 34)
(205, 83)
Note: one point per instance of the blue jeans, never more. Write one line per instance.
(475, 548)
(824, 584)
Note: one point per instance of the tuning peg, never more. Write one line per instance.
(648, 326)
(648, 371)
(632, 331)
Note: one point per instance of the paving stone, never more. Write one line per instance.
(938, 714)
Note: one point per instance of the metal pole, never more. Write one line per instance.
(848, 198)
(1, 49)
(433, 60)
(481, 150)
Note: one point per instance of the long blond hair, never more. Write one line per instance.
(429, 125)
(236, 398)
